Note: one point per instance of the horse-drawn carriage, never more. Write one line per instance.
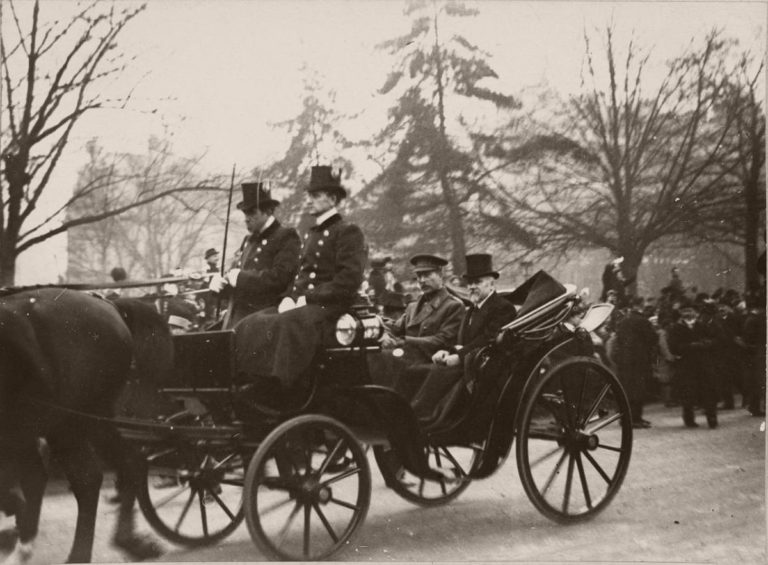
(298, 470)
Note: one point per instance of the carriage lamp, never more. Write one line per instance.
(346, 329)
(372, 328)
(363, 329)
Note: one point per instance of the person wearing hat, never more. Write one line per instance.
(634, 354)
(267, 262)
(482, 321)
(377, 278)
(211, 260)
(430, 323)
(688, 340)
(282, 344)
(614, 279)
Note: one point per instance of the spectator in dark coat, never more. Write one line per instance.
(636, 343)
(614, 280)
(753, 340)
(688, 340)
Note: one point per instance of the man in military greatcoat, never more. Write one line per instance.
(482, 321)
(268, 258)
(431, 322)
(282, 343)
(428, 324)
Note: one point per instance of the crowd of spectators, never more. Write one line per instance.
(690, 349)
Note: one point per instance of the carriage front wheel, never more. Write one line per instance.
(307, 489)
(574, 440)
(192, 492)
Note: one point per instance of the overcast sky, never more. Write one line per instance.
(216, 73)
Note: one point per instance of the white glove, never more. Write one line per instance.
(217, 283)
(232, 277)
(452, 360)
(439, 357)
(302, 301)
(286, 304)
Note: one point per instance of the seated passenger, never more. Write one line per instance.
(282, 343)
(429, 324)
(488, 313)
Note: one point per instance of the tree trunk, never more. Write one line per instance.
(455, 225)
(751, 234)
(7, 266)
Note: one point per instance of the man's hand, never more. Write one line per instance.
(440, 357)
(388, 341)
(231, 277)
(217, 283)
(452, 360)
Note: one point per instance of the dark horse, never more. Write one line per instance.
(64, 359)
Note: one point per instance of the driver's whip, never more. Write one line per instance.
(226, 234)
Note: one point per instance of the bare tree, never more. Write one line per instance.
(746, 165)
(52, 75)
(626, 169)
(148, 240)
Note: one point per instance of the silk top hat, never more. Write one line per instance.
(255, 195)
(322, 178)
(480, 265)
(425, 262)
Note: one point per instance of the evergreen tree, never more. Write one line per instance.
(418, 199)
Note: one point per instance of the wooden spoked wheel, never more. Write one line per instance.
(307, 489)
(192, 494)
(574, 440)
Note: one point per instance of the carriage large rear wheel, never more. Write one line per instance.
(454, 461)
(307, 489)
(574, 440)
(192, 492)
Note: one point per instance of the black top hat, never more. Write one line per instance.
(480, 265)
(425, 262)
(211, 252)
(255, 195)
(323, 179)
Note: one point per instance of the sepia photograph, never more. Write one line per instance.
(383, 281)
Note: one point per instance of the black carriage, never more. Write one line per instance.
(299, 472)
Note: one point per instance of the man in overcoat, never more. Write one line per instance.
(267, 262)
(282, 343)
(480, 324)
(636, 343)
(688, 340)
(430, 323)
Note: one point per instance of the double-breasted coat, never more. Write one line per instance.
(429, 324)
(332, 263)
(268, 262)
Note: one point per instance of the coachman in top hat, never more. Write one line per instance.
(282, 344)
(268, 258)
